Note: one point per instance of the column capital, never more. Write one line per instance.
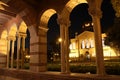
(43, 28)
(20, 34)
(96, 12)
(62, 21)
(11, 38)
(95, 7)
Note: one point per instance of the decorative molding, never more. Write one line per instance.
(43, 28)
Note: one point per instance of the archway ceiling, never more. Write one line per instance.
(7, 12)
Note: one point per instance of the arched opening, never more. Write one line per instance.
(23, 47)
(3, 43)
(80, 22)
(53, 48)
(97, 29)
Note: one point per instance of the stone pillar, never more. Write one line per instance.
(23, 49)
(38, 50)
(62, 35)
(18, 50)
(67, 48)
(12, 53)
(3, 53)
(2, 60)
(8, 53)
(96, 14)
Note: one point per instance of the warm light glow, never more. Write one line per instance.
(4, 35)
(87, 43)
(60, 39)
(71, 55)
(27, 56)
(13, 30)
(87, 24)
(3, 46)
(1, 7)
(46, 16)
(23, 27)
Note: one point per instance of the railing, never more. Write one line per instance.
(13, 74)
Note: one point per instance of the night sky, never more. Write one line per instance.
(78, 17)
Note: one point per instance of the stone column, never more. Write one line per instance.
(8, 52)
(96, 14)
(23, 49)
(12, 53)
(62, 35)
(38, 50)
(18, 50)
(67, 48)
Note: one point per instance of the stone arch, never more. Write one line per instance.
(64, 21)
(13, 30)
(3, 42)
(46, 16)
(96, 14)
(3, 48)
(70, 6)
(23, 27)
(4, 34)
(38, 43)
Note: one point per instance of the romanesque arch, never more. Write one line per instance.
(64, 24)
(38, 45)
(3, 48)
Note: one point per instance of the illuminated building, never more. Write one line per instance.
(82, 47)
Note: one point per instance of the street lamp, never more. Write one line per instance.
(59, 39)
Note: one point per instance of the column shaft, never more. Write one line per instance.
(18, 51)
(62, 35)
(8, 53)
(67, 48)
(12, 54)
(23, 51)
(98, 46)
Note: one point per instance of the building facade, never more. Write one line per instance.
(82, 47)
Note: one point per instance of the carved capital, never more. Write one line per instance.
(43, 28)
(96, 12)
(24, 35)
(65, 22)
(95, 7)
(13, 38)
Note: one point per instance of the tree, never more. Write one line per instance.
(113, 36)
(113, 33)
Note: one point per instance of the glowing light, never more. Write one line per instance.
(60, 39)
(27, 56)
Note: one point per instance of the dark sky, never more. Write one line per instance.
(78, 17)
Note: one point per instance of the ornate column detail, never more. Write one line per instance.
(64, 34)
(95, 11)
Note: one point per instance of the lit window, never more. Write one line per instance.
(103, 42)
(91, 43)
(74, 46)
(83, 44)
(87, 43)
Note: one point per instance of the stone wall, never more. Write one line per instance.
(13, 74)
